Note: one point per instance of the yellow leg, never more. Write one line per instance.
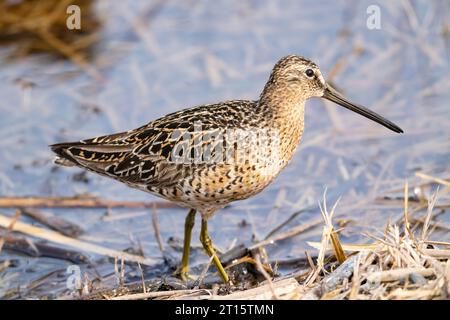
(207, 244)
(188, 225)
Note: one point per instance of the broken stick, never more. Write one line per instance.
(78, 202)
(74, 243)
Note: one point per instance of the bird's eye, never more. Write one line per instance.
(309, 73)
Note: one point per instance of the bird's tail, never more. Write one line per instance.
(64, 158)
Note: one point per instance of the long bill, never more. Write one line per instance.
(332, 95)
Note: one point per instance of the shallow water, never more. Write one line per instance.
(159, 57)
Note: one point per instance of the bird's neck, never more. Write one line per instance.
(286, 112)
(283, 104)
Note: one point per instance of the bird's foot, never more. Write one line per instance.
(183, 275)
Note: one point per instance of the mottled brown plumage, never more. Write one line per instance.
(207, 156)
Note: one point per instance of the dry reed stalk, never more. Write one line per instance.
(438, 243)
(286, 234)
(77, 202)
(4, 265)
(350, 247)
(247, 259)
(56, 223)
(74, 243)
(158, 294)
(434, 179)
(121, 216)
(426, 224)
(326, 237)
(284, 289)
(9, 228)
(156, 228)
(356, 280)
(144, 288)
(266, 275)
(405, 211)
(203, 273)
(329, 234)
(398, 274)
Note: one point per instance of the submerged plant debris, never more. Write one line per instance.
(67, 234)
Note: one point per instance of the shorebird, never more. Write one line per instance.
(207, 156)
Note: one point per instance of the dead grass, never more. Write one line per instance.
(401, 262)
(398, 264)
(40, 26)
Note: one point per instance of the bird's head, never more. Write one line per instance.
(298, 75)
(295, 79)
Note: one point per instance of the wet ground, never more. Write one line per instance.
(143, 59)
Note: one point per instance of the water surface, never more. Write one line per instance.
(158, 57)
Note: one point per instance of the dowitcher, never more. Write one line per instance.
(205, 157)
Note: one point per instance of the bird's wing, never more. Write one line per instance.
(140, 156)
(158, 154)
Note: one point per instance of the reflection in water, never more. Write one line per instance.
(155, 57)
